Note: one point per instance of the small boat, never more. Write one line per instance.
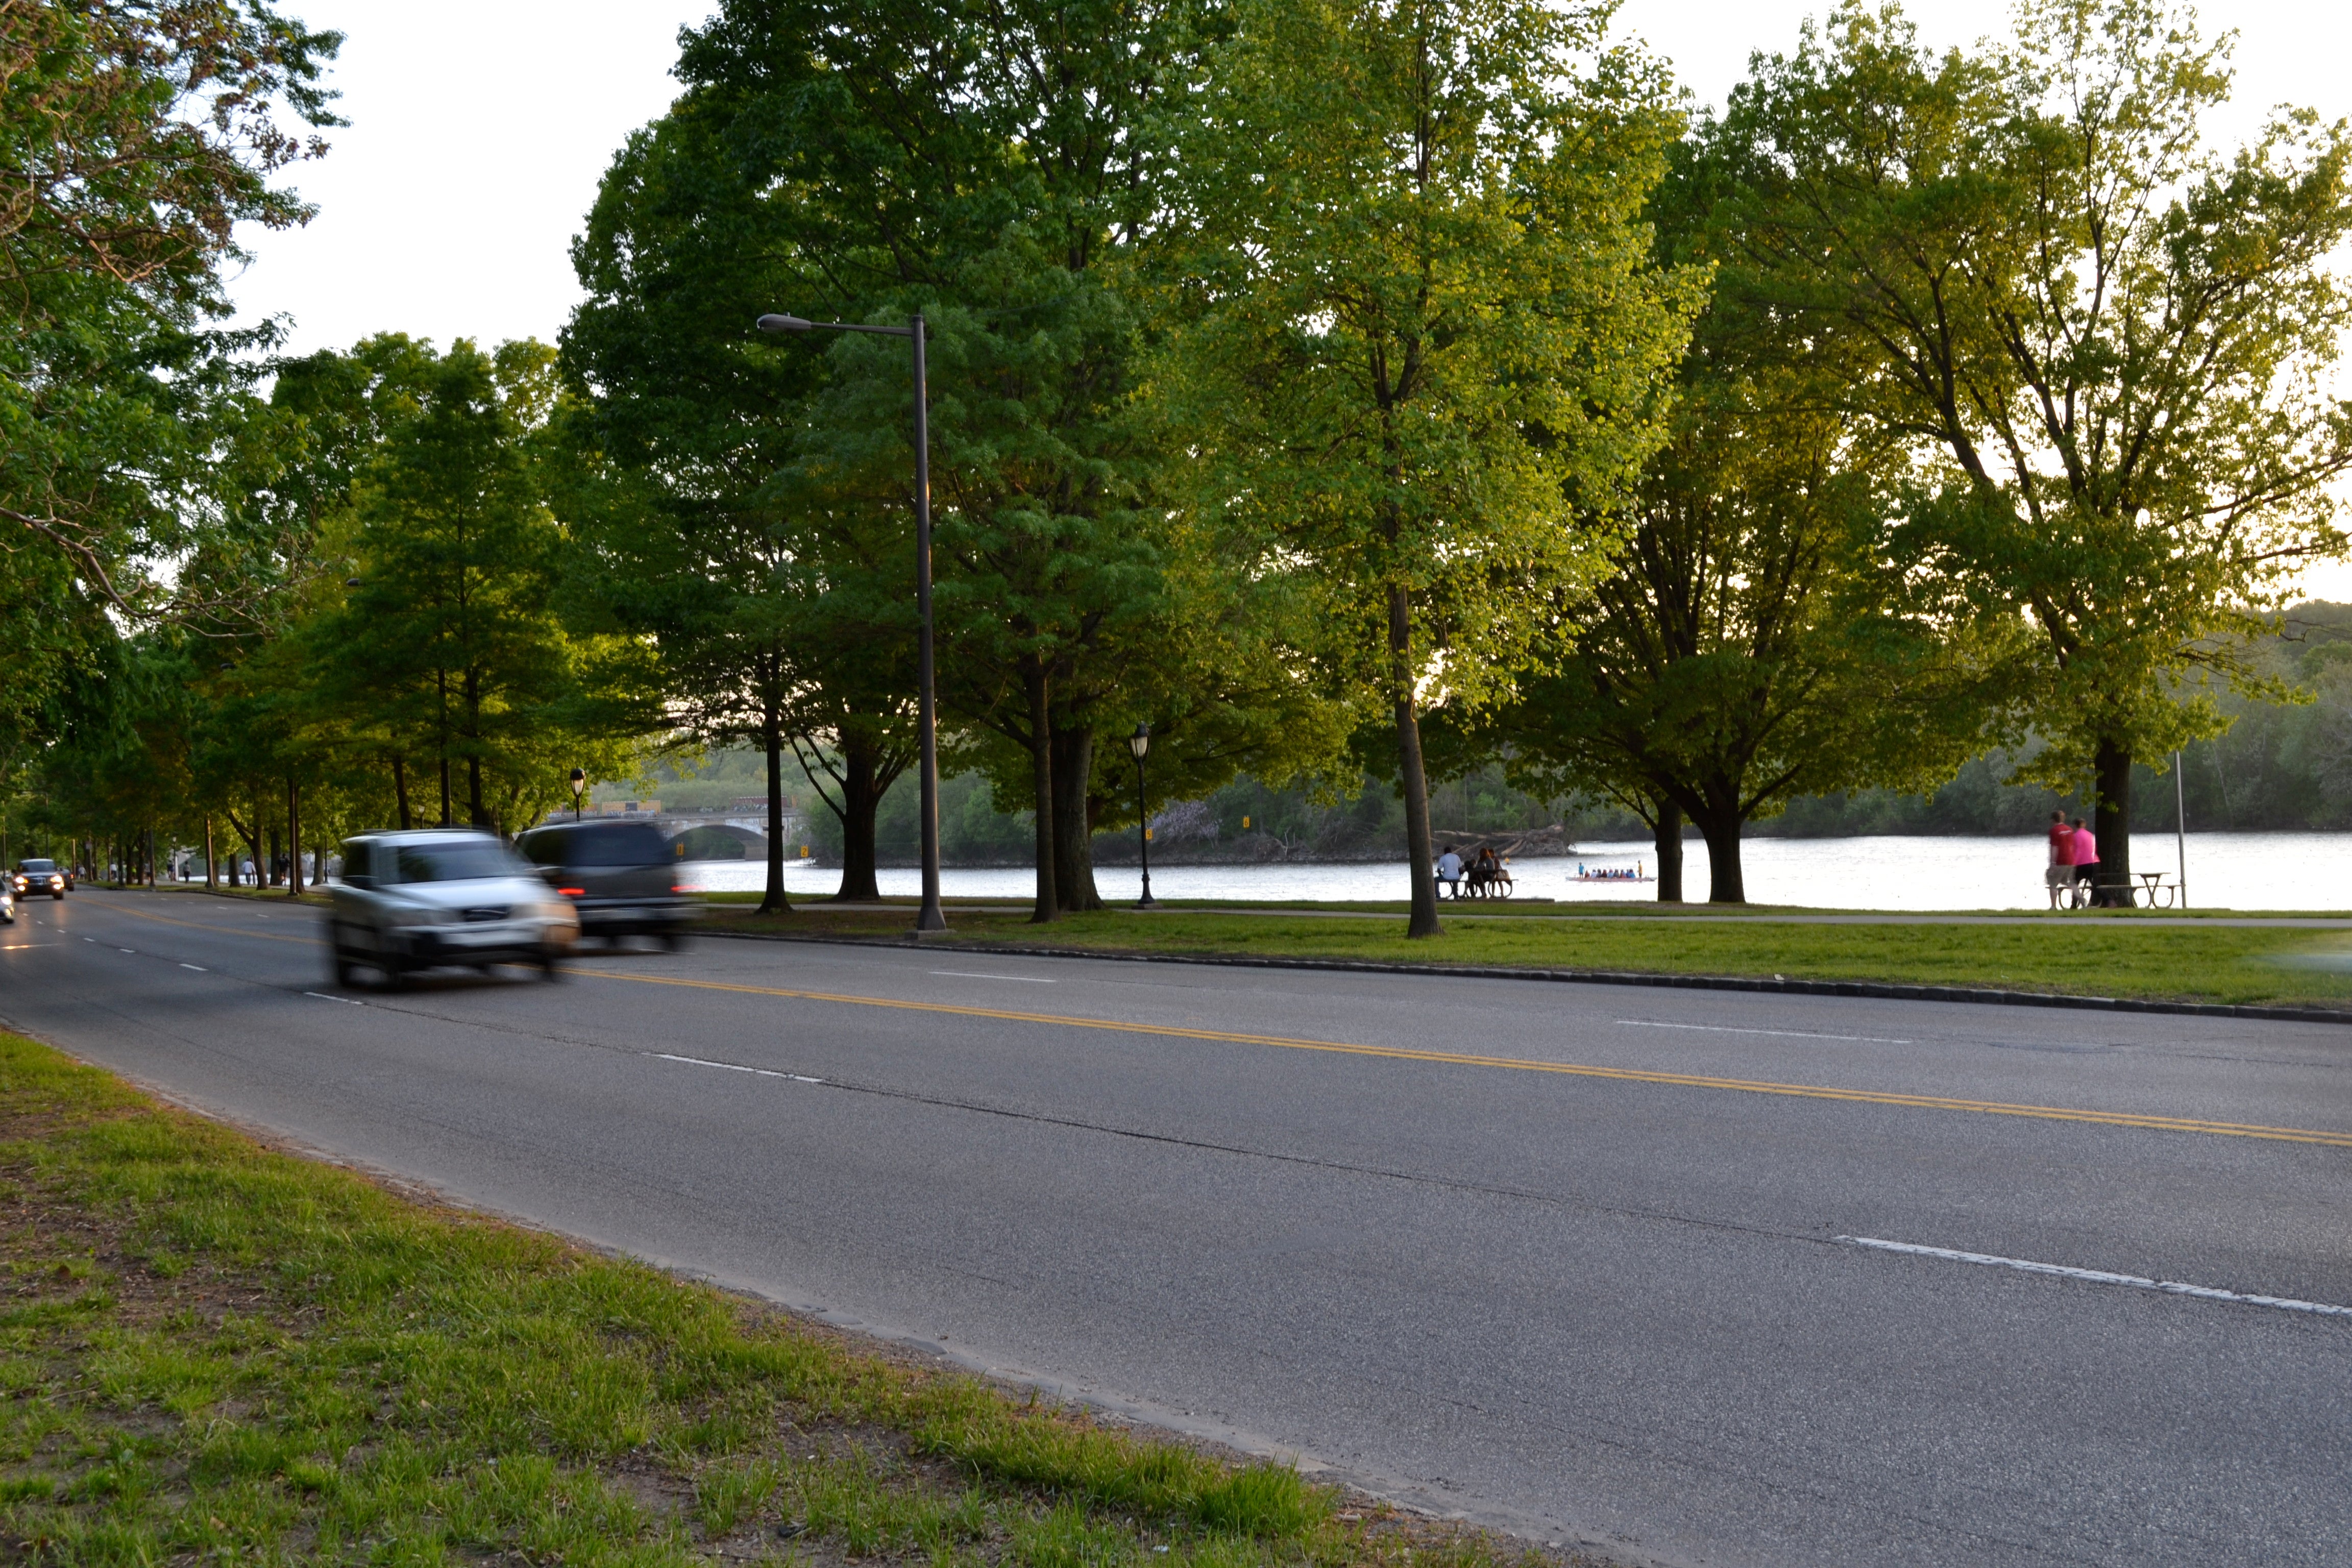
(1637, 872)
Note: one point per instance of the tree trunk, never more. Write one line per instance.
(445, 821)
(861, 807)
(1669, 836)
(2111, 826)
(293, 839)
(1040, 775)
(1073, 834)
(475, 816)
(772, 736)
(1724, 884)
(1413, 779)
(400, 788)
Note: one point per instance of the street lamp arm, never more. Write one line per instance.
(795, 324)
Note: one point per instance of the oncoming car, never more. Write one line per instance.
(414, 900)
(9, 902)
(37, 877)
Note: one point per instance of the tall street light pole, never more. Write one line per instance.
(1140, 742)
(928, 918)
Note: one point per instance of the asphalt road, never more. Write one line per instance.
(1564, 1258)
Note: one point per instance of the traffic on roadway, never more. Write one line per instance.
(1682, 1277)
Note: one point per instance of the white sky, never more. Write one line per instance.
(478, 133)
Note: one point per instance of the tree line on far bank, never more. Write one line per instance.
(1344, 390)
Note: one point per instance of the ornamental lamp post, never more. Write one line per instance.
(1140, 742)
(579, 786)
(928, 918)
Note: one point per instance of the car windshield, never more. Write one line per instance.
(38, 866)
(452, 860)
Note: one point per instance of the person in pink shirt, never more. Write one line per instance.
(2086, 855)
(2059, 875)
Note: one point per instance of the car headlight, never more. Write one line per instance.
(410, 915)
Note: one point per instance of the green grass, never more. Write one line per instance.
(210, 1351)
(2101, 955)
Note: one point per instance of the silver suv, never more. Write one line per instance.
(407, 902)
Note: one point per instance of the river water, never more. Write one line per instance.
(2226, 871)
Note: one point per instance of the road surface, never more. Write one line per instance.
(1601, 1265)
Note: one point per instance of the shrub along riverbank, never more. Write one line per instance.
(2101, 955)
(214, 1350)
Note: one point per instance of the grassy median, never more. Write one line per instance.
(2087, 954)
(216, 1351)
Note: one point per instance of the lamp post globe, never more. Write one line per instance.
(579, 787)
(1139, 742)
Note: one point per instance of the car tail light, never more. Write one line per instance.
(679, 887)
(574, 892)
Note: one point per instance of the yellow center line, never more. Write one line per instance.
(1522, 1064)
(200, 925)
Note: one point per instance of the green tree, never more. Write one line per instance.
(774, 615)
(135, 135)
(863, 159)
(450, 640)
(1427, 340)
(1751, 648)
(995, 168)
(2111, 341)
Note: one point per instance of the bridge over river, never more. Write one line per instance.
(721, 833)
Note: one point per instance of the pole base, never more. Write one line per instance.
(929, 919)
(1147, 902)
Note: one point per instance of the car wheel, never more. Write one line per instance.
(395, 974)
(549, 969)
(673, 941)
(342, 967)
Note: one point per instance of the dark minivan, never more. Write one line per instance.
(621, 875)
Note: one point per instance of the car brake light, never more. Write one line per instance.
(679, 887)
(574, 892)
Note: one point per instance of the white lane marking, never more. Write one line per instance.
(1791, 1033)
(126, 950)
(344, 1000)
(2099, 1276)
(197, 967)
(969, 974)
(731, 1066)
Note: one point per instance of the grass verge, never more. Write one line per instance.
(2099, 956)
(211, 1349)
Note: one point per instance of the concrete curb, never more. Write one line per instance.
(1883, 991)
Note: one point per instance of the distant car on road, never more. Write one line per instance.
(37, 877)
(621, 875)
(413, 900)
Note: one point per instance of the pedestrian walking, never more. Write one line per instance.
(1449, 872)
(2086, 860)
(2058, 874)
